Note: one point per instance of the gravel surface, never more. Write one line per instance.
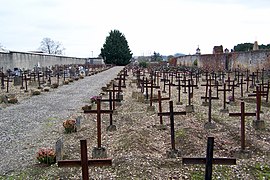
(139, 147)
(25, 127)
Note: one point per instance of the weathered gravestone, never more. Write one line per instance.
(17, 81)
(78, 123)
(59, 149)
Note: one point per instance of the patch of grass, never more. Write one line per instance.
(180, 133)
(260, 171)
(222, 172)
(29, 173)
(197, 173)
(51, 118)
(219, 172)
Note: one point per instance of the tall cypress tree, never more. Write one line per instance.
(115, 50)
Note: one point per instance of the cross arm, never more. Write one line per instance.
(162, 99)
(222, 161)
(174, 113)
(91, 162)
(95, 111)
(111, 90)
(239, 114)
(108, 100)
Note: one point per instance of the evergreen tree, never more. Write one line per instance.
(115, 50)
(243, 47)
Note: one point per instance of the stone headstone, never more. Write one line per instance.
(59, 149)
(120, 96)
(78, 123)
(99, 152)
(17, 81)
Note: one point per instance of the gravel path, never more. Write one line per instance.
(29, 125)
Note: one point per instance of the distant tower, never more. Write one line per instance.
(198, 51)
(255, 46)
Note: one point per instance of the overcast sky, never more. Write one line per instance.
(164, 26)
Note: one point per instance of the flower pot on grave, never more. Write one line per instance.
(54, 85)
(104, 88)
(12, 100)
(46, 89)
(70, 130)
(70, 125)
(87, 107)
(46, 156)
(70, 80)
(66, 82)
(36, 92)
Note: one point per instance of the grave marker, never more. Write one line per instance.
(225, 109)
(59, 149)
(84, 162)
(171, 114)
(99, 152)
(209, 160)
(160, 99)
(242, 114)
(78, 123)
(258, 123)
(111, 127)
(209, 124)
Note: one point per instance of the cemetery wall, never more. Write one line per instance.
(13, 59)
(252, 60)
(187, 60)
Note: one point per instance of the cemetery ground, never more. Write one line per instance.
(139, 147)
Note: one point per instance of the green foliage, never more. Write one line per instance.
(264, 46)
(180, 133)
(243, 47)
(115, 50)
(195, 63)
(261, 171)
(143, 64)
(156, 57)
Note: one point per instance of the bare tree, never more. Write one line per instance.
(50, 46)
